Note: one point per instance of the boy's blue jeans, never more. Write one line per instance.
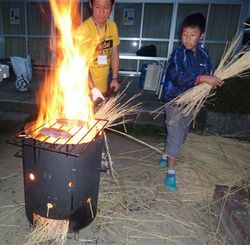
(177, 131)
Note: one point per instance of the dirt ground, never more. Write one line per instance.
(134, 207)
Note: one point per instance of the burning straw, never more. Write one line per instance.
(234, 62)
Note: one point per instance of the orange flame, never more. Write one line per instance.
(65, 93)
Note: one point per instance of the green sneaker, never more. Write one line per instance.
(170, 182)
(163, 163)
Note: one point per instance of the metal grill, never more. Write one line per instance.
(76, 149)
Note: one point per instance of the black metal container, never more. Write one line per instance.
(60, 186)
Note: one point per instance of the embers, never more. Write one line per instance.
(66, 136)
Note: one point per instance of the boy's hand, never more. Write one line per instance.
(211, 80)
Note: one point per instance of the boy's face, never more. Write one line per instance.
(190, 37)
(101, 10)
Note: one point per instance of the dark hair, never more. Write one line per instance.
(194, 20)
(112, 1)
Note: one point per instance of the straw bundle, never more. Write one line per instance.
(48, 230)
(234, 62)
(114, 110)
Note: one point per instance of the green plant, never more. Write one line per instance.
(232, 97)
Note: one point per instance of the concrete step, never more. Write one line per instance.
(233, 206)
(13, 121)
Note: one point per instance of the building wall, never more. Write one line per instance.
(158, 22)
(26, 26)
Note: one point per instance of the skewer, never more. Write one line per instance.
(90, 206)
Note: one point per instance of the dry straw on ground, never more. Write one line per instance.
(48, 230)
(234, 62)
(134, 207)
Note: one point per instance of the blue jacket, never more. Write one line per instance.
(183, 68)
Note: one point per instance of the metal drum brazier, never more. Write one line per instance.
(61, 186)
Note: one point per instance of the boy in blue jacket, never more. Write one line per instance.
(189, 65)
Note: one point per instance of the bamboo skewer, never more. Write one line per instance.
(90, 206)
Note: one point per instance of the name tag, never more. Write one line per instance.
(102, 60)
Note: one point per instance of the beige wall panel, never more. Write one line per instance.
(215, 51)
(223, 22)
(128, 65)
(14, 47)
(124, 29)
(157, 20)
(39, 19)
(161, 47)
(39, 51)
(10, 25)
(85, 11)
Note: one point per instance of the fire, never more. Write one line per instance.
(65, 93)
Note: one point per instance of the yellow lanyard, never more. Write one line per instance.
(104, 37)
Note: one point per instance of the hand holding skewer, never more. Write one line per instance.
(114, 86)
